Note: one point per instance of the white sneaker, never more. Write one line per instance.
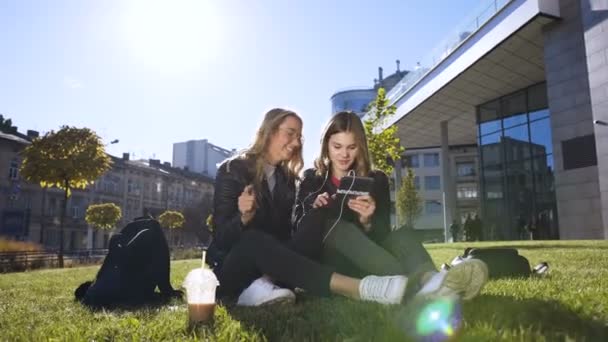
(264, 292)
(465, 279)
(384, 290)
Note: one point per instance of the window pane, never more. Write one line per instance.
(493, 182)
(520, 192)
(431, 159)
(515, 120)
(491, 154)
(488, 111)
(433, 207)
(489, 127)
(417, 182)
(465, 169)
(537, 97)
(432, 183)
(519, 133)
(550, 162)
(543, 164)
(539, 114)
(514, 104)
(466, 191)
(411, 161)
(415, 162)
(516, 145)
(541, 137)
(543, 170)
(490, 139)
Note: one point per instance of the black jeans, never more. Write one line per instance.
(352, 252)
(258, 253)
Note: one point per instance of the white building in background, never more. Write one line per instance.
(199, 156)
(463, 184)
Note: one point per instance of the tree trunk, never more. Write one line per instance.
(62, 223)
(43, 216)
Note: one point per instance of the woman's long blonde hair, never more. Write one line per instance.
(347, 122)
(256, 151)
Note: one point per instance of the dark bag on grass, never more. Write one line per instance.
(502, 262)
(137, 263)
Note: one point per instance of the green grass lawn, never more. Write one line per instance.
(570, 304)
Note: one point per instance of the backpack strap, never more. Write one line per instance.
(541, 269)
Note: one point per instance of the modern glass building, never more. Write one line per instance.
(358, 99)
(355, 100)
(517, 167)
(529, 87)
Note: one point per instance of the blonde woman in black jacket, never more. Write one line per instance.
(357, 238)
(253, 249)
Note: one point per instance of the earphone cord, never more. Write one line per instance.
(350, 173)
(303, 202)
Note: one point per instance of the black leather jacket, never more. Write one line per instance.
(313, 185)
(273, 213)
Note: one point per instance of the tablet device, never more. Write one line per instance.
(354, 186)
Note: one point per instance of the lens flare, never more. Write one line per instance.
(438, 319)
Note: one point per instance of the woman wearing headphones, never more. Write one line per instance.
(357, 238)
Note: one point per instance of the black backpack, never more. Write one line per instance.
(502, 262)
(137, 263)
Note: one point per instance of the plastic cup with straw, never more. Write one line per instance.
(201, 284)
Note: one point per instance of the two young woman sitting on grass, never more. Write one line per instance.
(261, 255)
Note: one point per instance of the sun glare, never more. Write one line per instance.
(172, 35)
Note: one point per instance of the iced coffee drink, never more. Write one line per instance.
(200, 285)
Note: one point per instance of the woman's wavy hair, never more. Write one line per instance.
(257, 150)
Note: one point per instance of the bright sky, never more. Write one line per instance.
(151, 73)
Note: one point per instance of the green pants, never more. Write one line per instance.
(353, 253)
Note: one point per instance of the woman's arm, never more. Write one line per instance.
(226, 214)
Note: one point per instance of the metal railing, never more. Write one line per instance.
(460, 34)
(21, 261)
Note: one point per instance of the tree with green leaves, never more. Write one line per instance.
(103, 216)
(172, 220)
(383, 142)
(409, 203)
(71, 158)
(195, 216)
(6, 125)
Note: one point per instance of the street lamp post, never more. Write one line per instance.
(445, 219)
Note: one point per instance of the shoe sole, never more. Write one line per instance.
(466, 278)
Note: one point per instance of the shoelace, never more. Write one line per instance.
(375, 288)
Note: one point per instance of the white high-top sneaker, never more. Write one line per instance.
(384, 290)
(465, 279)
(264, 292)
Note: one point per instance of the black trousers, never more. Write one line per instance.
(258, 253)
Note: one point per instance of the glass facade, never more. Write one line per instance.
(518, 192)
(354, 100)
